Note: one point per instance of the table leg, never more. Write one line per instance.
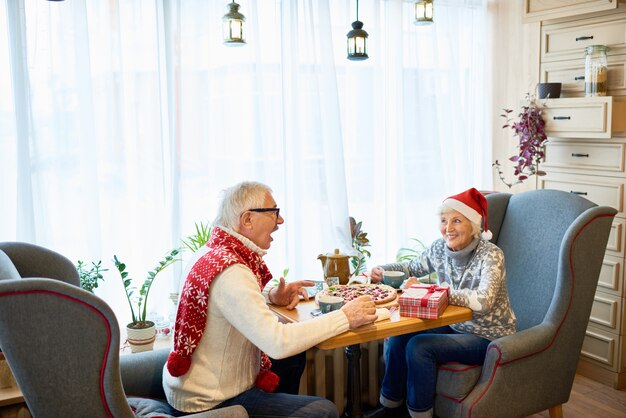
(353, 407)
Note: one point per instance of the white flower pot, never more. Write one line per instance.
(141, 339)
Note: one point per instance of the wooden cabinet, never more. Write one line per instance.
(584, 117)
(562, 41)
(571, 74)
(535, 10)
(586, 155)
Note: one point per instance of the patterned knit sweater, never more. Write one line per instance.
(476, 277)
(239, 324)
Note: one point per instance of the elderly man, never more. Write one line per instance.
(225, 333)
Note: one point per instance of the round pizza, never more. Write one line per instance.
(380, 293)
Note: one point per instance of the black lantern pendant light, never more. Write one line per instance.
(357, 39)
(233, 26)
(423, 12)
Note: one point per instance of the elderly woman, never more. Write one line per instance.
(473, 269)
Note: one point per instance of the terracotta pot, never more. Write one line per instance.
(141, 339)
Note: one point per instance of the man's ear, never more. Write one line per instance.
(245, 221)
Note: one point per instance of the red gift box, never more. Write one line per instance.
(423, 301)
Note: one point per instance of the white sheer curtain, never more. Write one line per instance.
(121, 121)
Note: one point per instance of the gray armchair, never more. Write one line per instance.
(554, 244)
(62, 345)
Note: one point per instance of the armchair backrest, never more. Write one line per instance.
(530, 228)
(62, 344)
(31, 260)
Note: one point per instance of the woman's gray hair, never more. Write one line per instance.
(476, 229)
(238, 199)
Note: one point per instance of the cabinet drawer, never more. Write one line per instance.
(615, 243)
(569, 40)
(571, 74)
(595, 158)
(535, 10)
(612, 276)
(584, 117)
(606, 312)
(607, 191)
(602, 347)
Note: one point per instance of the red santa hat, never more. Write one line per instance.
(473, 205)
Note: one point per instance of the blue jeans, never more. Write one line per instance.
(260, 404)
(412, 359)
(285, 401)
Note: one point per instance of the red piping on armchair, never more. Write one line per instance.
(464, 369)
(569, 304)
(107, 326)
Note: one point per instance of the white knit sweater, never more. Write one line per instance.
(226, 361)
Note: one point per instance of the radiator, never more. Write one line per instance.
(326, 374)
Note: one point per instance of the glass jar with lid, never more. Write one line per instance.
(596, 71)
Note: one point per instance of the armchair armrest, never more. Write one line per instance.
(142, 373)
(519, 345)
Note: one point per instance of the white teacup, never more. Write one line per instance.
(330, 303)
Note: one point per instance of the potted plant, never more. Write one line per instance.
(89, 277)
(359, 242)
(141, 332)
(198, 240)
(530, 129)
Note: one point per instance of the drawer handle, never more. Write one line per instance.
(561, 117)
(578, 193)
(579, 77)
(583, 38)
(575, 154)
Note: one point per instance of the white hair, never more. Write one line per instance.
(238, 199)
(476, 228)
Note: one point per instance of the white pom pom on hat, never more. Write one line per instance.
(473, 205)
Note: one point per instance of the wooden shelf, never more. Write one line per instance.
(10, 396)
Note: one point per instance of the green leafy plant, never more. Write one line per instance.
(409, 253)
(138, 297)
(530, 130)
(359, 242)
(89, 276)
(198, 240)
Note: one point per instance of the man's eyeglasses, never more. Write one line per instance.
(261, 210)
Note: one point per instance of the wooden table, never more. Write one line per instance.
(396, 325)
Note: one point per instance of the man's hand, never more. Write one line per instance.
(360, 311)
(288, 294)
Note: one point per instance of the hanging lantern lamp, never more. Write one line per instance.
(232, 24)
(423, 12)
(357, 39)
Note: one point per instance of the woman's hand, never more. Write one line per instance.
(376, 275)
(409, 282)
(289, 294)
(360, 311)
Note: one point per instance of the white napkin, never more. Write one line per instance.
(383, 313)
(362, 278)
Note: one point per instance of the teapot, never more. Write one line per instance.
(338, 265)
